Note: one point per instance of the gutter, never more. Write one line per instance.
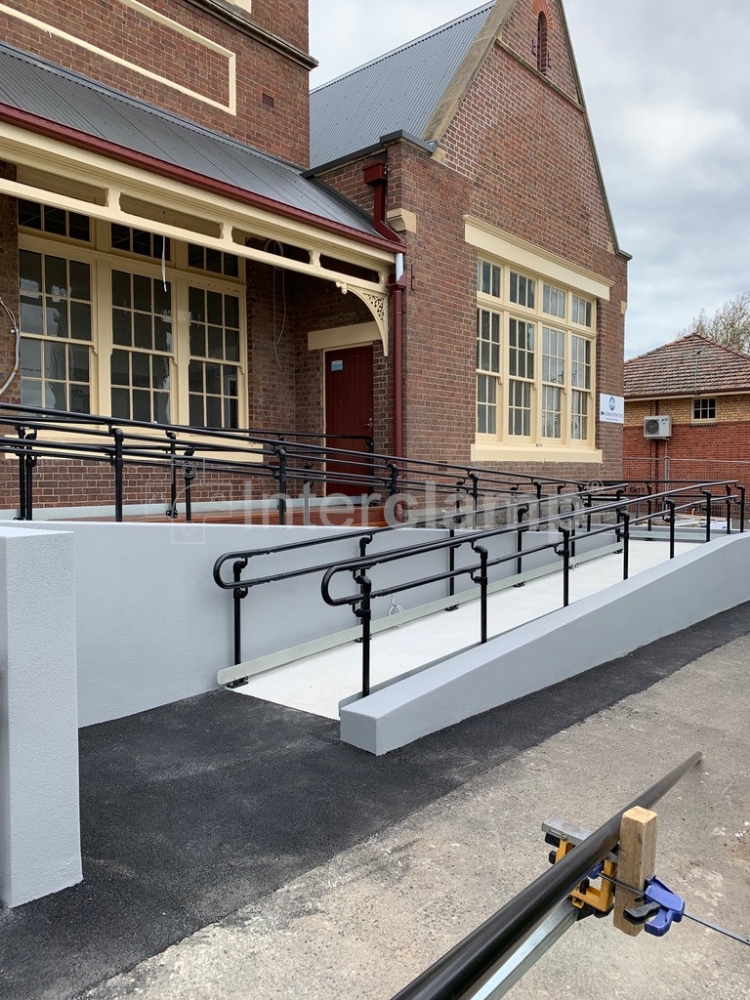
(82, 140)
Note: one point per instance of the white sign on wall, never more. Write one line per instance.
(611, 409)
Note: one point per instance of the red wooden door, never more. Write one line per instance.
(349, 413)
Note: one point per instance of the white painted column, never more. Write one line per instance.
(40, 842)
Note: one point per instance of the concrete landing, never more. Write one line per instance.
(319, 683)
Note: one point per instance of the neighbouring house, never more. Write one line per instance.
(473, 142)
(446, 279)
(687, 412)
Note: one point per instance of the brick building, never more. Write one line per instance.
(171, 257)
(700, 390)
(515, 287)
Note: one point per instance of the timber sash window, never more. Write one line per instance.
(55, 323)
(125, 327)
(140, 370)
(534, 363)
(214, 358)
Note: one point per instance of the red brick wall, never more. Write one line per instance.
(518, 156)
(520, 32)
(709, 452)
(281, 130)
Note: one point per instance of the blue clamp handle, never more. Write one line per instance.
(659, 902)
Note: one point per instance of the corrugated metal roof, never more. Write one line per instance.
(397, 92)
(690, 366)
(38, 87)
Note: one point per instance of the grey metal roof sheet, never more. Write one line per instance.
(396, 92)
(58, 95)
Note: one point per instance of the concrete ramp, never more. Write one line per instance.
(658, 602)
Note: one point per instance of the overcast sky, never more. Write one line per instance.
(667, 86)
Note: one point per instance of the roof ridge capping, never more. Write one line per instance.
(484, 8)
(694, 334)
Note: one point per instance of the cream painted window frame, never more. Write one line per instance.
(504, 446)
(103, 261)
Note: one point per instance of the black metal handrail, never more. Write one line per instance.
(361, 601)
(263, 454)
(359, 568)
(462, 968)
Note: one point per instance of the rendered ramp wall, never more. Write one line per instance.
(656, 603)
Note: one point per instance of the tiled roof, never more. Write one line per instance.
(37, 86)
(690, 366)
(398, 92)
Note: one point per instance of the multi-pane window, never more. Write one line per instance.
(521, 355)
(704, 409)
(488, 369)
(488, 278)
(139, 337)
(215, 261)
(534, 367)
(214, 358)
(581, 311)
(142, 347)
(140, 242)
(55, 324)
(522, 290)
(57, 221)
(580, 380)
(553, 381)
(553, 301)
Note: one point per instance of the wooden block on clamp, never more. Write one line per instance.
(636, 862)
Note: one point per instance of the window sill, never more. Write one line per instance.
(496, 452)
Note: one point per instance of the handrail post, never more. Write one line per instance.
(451, 569)
(588, 502)
(363, 543)
(709, 498)
(364, 613)
(475, 497)
(28, 464)
(189, 472)
(118, 463)
(566, 567)
(670, 503)
(625, 544)
(729, 510)
(172, 510)
(281, 478)
(237, 595)
(394, 474)
(522, 511)
(21, 430)
(483, 581)
(742, 509)
(650, 508)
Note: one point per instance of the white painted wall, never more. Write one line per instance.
(154, 628)
(40, 847)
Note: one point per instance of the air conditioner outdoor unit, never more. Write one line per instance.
(657, 427)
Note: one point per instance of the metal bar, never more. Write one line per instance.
(483, 581)
(189, 470)
(282, 456)
(364, 613)
(238, 595)
(21, 477)
(709, 503)
(29, 463)
(451, 565)
(497, 938)
(625, 545)
(671, 506)
(742, 509)
(511, 972)
(117, 461)
(522, 511)
(566, 567)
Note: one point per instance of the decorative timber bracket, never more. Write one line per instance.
(377, 303)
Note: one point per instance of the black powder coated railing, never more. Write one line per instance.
(617, 517)
(462, 968)
(289, 459)
(360, 569)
